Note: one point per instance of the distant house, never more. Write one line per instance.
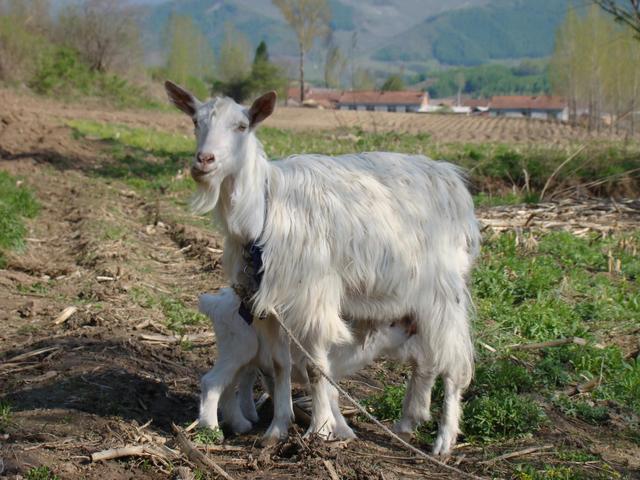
(544, 107)
(314, 97)
(476, 105)
(405, 101)
(450, 105)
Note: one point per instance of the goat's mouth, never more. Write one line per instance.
(199, 175)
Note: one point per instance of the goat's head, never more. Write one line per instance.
(224, 132)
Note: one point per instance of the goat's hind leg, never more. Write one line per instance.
(245, 394)
(448, 429)
(416, 406)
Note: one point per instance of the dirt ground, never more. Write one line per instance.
(93, 382)
(440, 128)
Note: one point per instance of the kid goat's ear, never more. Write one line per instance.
(181, 98)
(262, 108)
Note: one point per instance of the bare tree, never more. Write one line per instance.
(333, 66)
(629, 15)
(309, 19)
(103, 31)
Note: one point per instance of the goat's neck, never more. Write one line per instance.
(242, 203)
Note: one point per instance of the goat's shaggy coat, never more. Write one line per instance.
(374, 236)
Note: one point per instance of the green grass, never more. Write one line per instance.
(177, 316)
(208, 436)
(499, 174)
(41, 473)
(5, 415)
(554, 288)
(17, 203)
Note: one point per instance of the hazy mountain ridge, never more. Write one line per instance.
(390, 33)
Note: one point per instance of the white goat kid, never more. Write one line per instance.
(375, 236)
(241, 352)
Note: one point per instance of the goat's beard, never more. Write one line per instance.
(206, 197)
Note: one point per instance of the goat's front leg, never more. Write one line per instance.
(323, 421)
(342, 430)
(282, 403)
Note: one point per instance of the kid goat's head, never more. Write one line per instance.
(224, 132)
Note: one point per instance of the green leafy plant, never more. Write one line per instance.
(208, 436)
(41, 473)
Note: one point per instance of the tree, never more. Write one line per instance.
(334, 65)
(233, 64)
(460, 83)
(309, 19)
(265, 75)
(363, 79)
(104, 32)
(596, 67)
(190, 58)
(393, 83)
(629, 15)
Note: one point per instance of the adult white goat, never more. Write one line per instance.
(241, 351)
(373, 236)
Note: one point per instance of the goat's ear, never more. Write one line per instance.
(262, 108)
(181, 98)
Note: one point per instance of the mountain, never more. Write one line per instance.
(382, 34)
(500, 30)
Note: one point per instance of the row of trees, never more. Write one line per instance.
(596, 66)
(192, 63)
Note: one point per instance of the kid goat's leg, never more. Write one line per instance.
(213, 384)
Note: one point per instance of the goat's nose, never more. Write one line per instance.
(206, 158)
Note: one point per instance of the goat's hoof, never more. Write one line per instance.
(240, 425)
(403, 428)
(343, 433)
(274, 435)
(444, 442)
(208, 422)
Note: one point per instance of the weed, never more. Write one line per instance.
(16, 203)
(37, 287)
(199, 474)
(41, 473)
(576, 456)
(208, 436)
(5, 415)
(178, 316)
(581, 409)
(504, 415)
(387, 405)
(502, 375)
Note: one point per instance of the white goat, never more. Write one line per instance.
(374, 236)
(240, 353)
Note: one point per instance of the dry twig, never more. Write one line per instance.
(196, 456)
(551, 343)
(65, 315)
(331, 469)
(519, 453)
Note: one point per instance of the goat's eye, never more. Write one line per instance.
(241, 127)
